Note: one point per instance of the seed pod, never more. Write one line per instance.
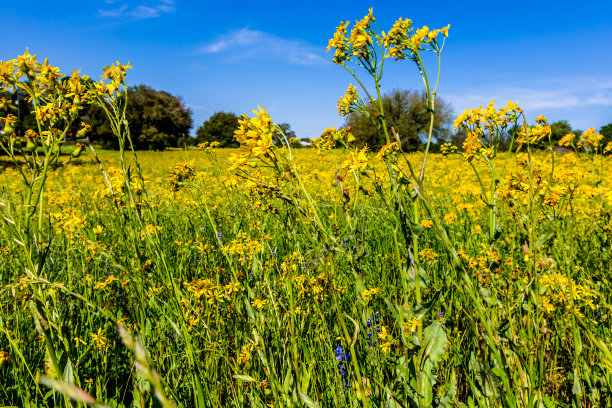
(77, 152)
(30, 146)
(8, 129)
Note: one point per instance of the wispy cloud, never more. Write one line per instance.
(549, 93)
(246, 43)
(140, 11)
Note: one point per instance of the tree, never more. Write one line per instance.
(559, 129)
(157, 120)
(405, 111)
(287, 131)
(606, 131)
(220, 128)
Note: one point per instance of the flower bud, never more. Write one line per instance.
(84, 130)
(8, 129)
(77, 152)
(30, 146)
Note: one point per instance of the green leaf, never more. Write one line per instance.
(246, 378)
(449, 398)
(308, 401)
(435, 341)
(577, 387)
(68, 376)
(288, 382)
(391, 402)
(419, 311)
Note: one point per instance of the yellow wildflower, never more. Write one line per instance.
(99, 339)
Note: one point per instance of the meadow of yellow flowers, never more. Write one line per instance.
(333, 276)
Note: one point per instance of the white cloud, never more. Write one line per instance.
(548, 93)
(138, 12)
(114, 12)
(246, 43)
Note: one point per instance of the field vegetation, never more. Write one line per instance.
(268, 276)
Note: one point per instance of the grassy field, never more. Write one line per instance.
(328, 277)
(303, 292)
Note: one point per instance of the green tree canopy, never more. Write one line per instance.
(287, 131)
(220, 128)
(157, 120)
(606, 131)
(405, 111)
(561, 128)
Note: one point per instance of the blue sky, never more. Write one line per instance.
(554, 58)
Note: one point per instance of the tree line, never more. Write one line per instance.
(160, 120)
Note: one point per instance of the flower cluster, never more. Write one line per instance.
(359, 43)
(68, 222)
(533, 134)
(373, 324)
(447, 149)
(590, 140)
(213, 292)
(562, 293)
(256, 134)
(181, 173)
(402, 38)
(346, 103)
(401, 42)
(343, 357)
(56, 99)
(331, 136)
(357, 161)
(244, 245)
(313, 288)
(486, 128)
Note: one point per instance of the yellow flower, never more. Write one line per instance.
(99, 339)
(567, 140)
(450, 218)
(237, 160)
(386, 346)
(411, 325)
(4, 356)
(368, 293)
(339, 42)
(426, 223)
(98, 229)
(345, 103)
(472, 146)
(383, 334)
(590, 139)
(79, 341)
(25, 62)
(389, 148)
(259, 304)
(360, 38)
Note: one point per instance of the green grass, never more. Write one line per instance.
(242, 298)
